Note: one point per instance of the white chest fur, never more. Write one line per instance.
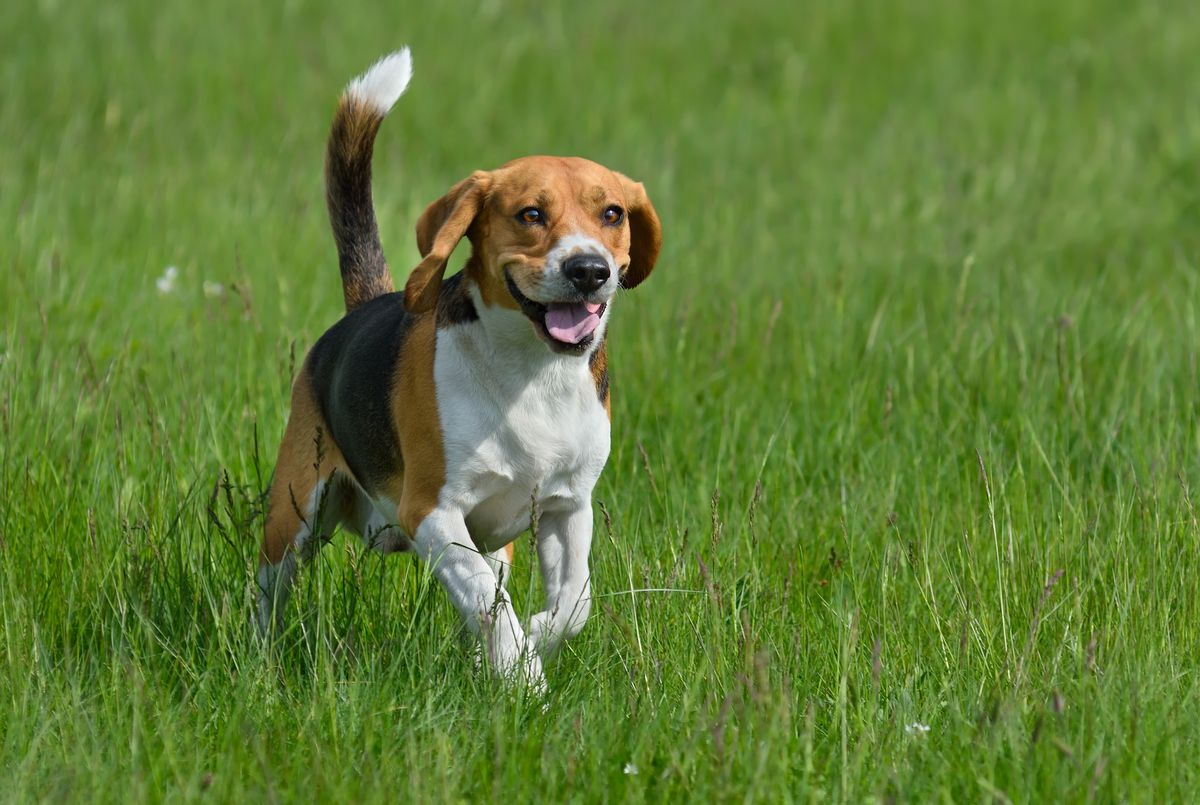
(517, 422)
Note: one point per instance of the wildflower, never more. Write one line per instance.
(916, 728)
(213, 290)
(631, 768)
(166, 283)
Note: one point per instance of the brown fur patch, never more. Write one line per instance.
(307, 455)
(493, 290)
(645, 233)
(599, 367)
(414, 408)
(439, 229)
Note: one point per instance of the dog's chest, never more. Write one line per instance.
(513, 433)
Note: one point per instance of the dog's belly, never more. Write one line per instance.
(506, 507)
(496, 520)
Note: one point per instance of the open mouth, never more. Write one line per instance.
(565, 326)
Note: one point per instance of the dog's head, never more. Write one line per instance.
(551, 237)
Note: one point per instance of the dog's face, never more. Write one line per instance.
(552, 238)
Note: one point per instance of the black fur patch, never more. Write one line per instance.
(454, 303)
(352, 367)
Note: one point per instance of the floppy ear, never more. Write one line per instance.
(645, 233)
(439, 229)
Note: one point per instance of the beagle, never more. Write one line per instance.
(432, 420)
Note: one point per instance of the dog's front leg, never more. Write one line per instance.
(443, 542)
(564, 540)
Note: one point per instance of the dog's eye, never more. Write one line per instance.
(531, 215)
(613, 215)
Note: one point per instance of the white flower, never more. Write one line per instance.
(166, 283)
(916, 728)
(631, 768)
(213, 290)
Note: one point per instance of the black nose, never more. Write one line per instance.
(587, 272)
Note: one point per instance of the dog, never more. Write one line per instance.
(437, 419)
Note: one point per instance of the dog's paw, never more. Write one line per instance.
(511, 655)
(544, 634)
(537, 632)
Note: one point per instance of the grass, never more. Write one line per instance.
(907, 421)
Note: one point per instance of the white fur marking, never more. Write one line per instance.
(576, 243)
(519, 422)
(553, 284)
(443, 542)
(274, 589)
(383, 84)
(564, 541)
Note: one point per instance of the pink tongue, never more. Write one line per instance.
(572, 323)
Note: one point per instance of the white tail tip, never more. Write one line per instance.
(383, 84)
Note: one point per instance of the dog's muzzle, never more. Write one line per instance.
(587, 272)
(566, 326)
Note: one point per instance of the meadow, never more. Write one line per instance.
(904, 497)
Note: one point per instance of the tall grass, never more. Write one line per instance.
(903, 498)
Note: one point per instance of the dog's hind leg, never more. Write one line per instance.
(306, 501)
(366, 517)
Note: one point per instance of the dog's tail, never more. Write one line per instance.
(361, 109)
